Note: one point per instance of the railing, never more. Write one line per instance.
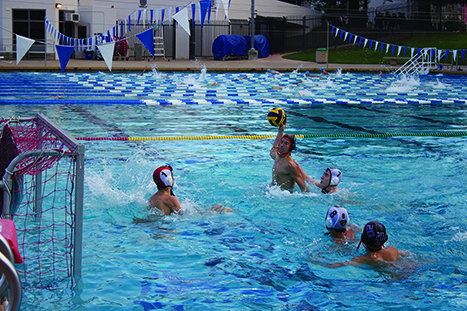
(10, 280)
(422, 62)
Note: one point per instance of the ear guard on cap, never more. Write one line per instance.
(374, 235)
(291, 138)
(336, 176)
(163, 176)
(337, 218)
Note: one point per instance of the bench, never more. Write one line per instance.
(393, 59)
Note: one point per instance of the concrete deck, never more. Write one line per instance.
(273, 62)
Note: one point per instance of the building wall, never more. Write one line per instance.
(101, 15)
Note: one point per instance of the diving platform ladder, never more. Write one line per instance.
(159, 50)
(421, 63)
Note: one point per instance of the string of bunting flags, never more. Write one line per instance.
(105, 42)
(344, 35)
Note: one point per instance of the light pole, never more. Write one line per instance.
(252, 53)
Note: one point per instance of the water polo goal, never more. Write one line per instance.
(42, 190)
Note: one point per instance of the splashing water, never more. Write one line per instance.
(339, 73)
(155, 72)
(439, 85)
(202, 76)
(404, 84)
(298, 68)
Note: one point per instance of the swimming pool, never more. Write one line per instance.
(256, 258)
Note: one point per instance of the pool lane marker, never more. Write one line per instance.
(253, 137)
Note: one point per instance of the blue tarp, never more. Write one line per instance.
(228, 45)
(261, 45)
(233, 45)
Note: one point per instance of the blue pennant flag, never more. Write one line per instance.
(405, 49)
(447, 53)
(204, 5)
(147, 39)
(139, 17)
(129, 23)
(332, 29)
(64, 54)
(360, 42)
(382, 44)
(463, 52)
(350, 38)
(193, 12)
(371, 42)
(162, 16)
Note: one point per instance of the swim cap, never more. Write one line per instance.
(321, 68)
(163, 177)
(336, 176)
(337, 218)
(374, 235)
(269, 70)
(307, 72)
(291, 139)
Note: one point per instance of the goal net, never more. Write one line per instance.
(42, 170)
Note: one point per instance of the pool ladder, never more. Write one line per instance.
(421, 63)
(10, 283)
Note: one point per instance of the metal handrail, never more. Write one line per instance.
(14, 283)
(5, 249)
(421, 63)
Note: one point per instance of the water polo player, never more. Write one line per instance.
(164, 199)
(329, 180)
(338, 224)
(286, 172)
(373, 238)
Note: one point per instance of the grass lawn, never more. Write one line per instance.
(354, 54)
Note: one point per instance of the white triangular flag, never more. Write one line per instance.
(218, 5)
(226, 8)
(23, 45)
(107, 52)
(182, 18)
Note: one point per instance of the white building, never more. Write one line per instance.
(37, 20)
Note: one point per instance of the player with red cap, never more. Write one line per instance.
(164, 199)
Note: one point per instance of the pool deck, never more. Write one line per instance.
(273, 62)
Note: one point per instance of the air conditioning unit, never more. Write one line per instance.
(72, 17)
(75, 17)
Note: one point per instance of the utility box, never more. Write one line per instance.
(321, 55)
(138, 51)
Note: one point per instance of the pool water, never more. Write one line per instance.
(260, 257)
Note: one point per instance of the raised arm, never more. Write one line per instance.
(275, 145)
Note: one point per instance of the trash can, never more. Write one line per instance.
(321, 55)
(89, 54)
(138, 51)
